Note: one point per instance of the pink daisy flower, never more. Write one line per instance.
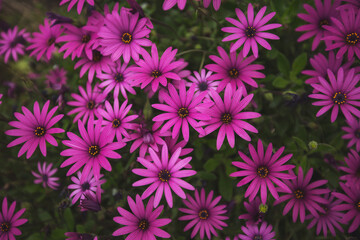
(164, 174)
(263, 170)
(202, 82)
(117, 79)
(316, 19)
(250, 31)
(88, 104)
(330, 219)
(80, 4)
(180, 70)
(173, 145)
(171, 3)
(253, 216)
(143, 222)
(227, 116)
(263, 232)
(116, 119)
(91, 150)
(12, 43)
(45, 176)
(216, 4)
(124, 35)
(352, 133)
(234, 69)
(56, 78)
(352, 168)
(34, 129)
(345, 33)
(154, 70)
(304, 195)
(91, 202)
(43, 42)
(351, 3)
(88, 185)
(79, 236)
(204, 214)
(10, 221)
(351, 205)
(341, 93)
(180, 110)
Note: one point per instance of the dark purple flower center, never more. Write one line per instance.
(5, 227)
(85, 186)
(90, 104)
(233, 73)
(203, 86)
(96, 56)
(119, 77)
(94, 150)
(258, 237)
(352, 38)
(358, 205)
(250, 32)
(18, 39)
(126, 38)
(116, 123)
(262, 172)
(226, 118)
(156, 74)
(148, 138)
(339, 98)
(204, 214)
(143, 224)
(50, 41)
(45, 178)
(323, 22)
(299, 194)
(164, 175)
(183, 112)
(40, 131)
(85, 38)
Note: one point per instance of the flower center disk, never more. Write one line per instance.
(262, 172)
(40, 131)
(258, 237)
(155, 74)
(96, 56)
(5, 227)
(183, 112)
(126, 38)
(352, 38)
(94, 150)
(233, 73)
(250, 32)
(50, 41)
(226, 118)
(116, 123)
(203, 86)
(119, 77)
(203, 214)
(85, 186)
(85, 38)
(143, 224)
(90, 104)
(299, 194)
(323, 22)
(339, 98)
(164, 175)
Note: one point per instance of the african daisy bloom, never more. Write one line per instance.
(250, 31)
(56, 78)
(12, 43)
(80, 4)
(116, 119)
(304, 195)
(45, 176)
(330, 219)
(79, 236)
(43, 42)
(202, 82)
(10, 221)
(263, 232)
(164, 174)
(171, 3)
(352, 169)
(143, 223)
(180, 110)
(345, 33)
(253, 216)
(204, 213)
(87, 105)
(352, 133)
(316, 18)
(91, 202)
(34, 129)
(91, 150)
(154, 70)
(341, 93)
(227, 116)
(234, 69)
(124, 35)
(263, 170)
(117, 79)
(351, 205)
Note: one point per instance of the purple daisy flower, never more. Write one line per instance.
(264, 232)
(164, 174)
(216, 4)
(43, 42)
(173, 145)
(9, 222)
(91, 202)
(204, 213)
(87, 185)
(117, 79)
(227, 115)
(80, 4)
(79, 236)
(329, 219)
(12, 43)
(202, 82)
(253, 216)
(316, 19)
(351, 3)
(154, 70)
(56, 78)
(341, 93)
(351, 205)
(345, 33)
(304, 195)
(171, 3)
(250, 30)
(34, 129)
(91, 150)
(263, 170)
(45, 176)
(352, 169)
(88, 104)
(124, 35)
(234, 69)
(116, 119)
(143, 222)
(352, 133)
(180, 110)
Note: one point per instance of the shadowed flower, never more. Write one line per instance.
(10, 221)
(253, 216)
(45, 176)
(250, 31)
(79, 236)
(56, 78)
(352, 133)
(80, 4)
(202, 82)
(35, 129)
(204, 214)
(254, 232)
(12, 43)
(352, 169)
(91, 202)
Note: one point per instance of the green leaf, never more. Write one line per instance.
(226, 187)
(283, 64)
(43, 215)
(325, 148)
(34, 236)
(211, 164)
(300, 143)
(299, 63)
(69, 219)
(280, 82)
(206, 176)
